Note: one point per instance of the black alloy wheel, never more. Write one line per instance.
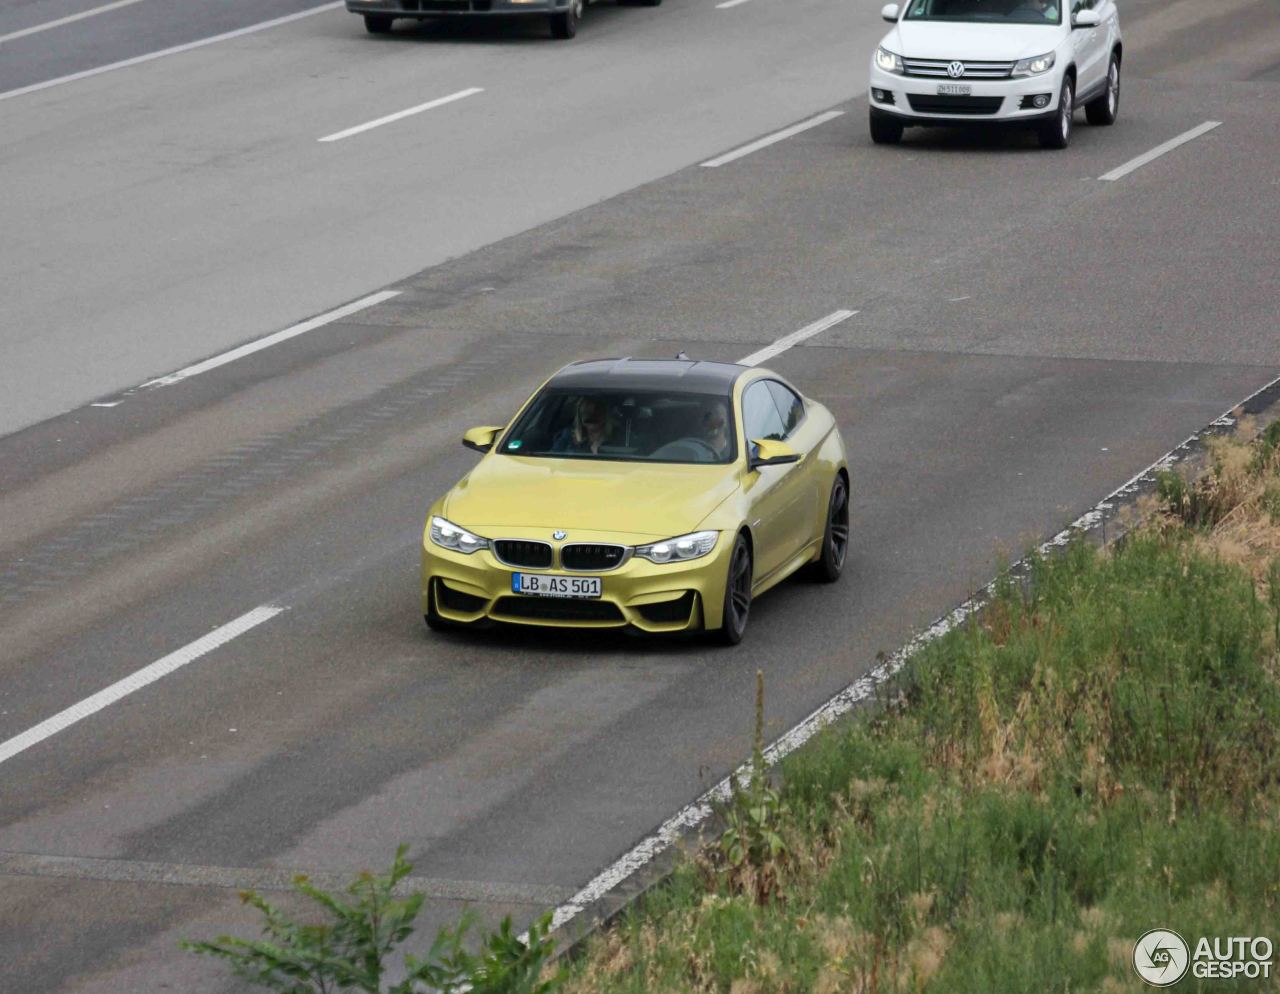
(566, 25)
(835, 537)
(737, 595)
(1056, 132)
(1105, 109)
(377, 24)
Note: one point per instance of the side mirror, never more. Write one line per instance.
(767, 452)
(482, 439)
(890, 12)
(1086, 19)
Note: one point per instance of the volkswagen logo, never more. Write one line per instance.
(559, 536)
(955, 70)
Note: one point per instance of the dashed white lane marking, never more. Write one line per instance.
(274, 339)
(177, 49)
(693, 815)
(400, 115)
(795, 338)
(730, 3)
(1159, 150)
(136, 681)
(69, 19)
(772, 139)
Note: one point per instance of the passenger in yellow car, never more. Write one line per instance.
(590, 429)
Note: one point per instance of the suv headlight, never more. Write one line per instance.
(889, 62)
(680, 549)
(447, 535)
(1034, 67)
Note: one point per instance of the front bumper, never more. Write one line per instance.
(649, 597)
(994, 101)
(444, 8)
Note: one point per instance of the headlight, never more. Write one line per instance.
(678, 550)
(889, 62)
(447, 535)
(1034, 67)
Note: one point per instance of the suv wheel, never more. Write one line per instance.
(377, 24)
(1056, 132)
(885, 130)
(1106, 108)
(566, 25)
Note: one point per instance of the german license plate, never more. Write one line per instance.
(954, 89)
(542, 585)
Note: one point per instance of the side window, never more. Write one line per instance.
(790, 406)
(760, 417)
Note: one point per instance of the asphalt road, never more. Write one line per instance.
(1027, 337)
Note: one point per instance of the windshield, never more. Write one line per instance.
(657, 426)
(986, 11)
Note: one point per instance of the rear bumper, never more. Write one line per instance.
(420, 9)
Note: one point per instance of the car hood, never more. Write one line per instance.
(654, 500)
(979, 42)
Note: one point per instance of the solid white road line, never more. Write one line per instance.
(772, 139)
(795, 338)
(429, 105)
(729, 3)
(137, 60)
(136, 681)
(693, 815)
(1158, 151)
(270, 340)
(36, 29)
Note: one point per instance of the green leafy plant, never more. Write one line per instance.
(752, 850)
(366, 923)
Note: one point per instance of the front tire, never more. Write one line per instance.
(835, 536)
(377, 24)
(566, 25)
(1056, 132)
(737, 595)
(885, 130)
(1105, 109)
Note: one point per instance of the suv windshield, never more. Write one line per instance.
(650, 426)
(987, 11)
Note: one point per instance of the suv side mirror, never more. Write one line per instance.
(890, 12)
(767, 452)
(1086, 19)
(482, 439)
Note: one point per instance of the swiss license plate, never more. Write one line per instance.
(954, 89)
(542, 585)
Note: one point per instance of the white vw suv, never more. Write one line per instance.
(1009, 62)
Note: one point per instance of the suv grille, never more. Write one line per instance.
(582, 556)
(520, 552)
(557, 609)
(934, 68)
(927, 104)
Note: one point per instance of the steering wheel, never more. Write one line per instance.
(704, 451)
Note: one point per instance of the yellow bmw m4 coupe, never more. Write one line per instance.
(661, 495)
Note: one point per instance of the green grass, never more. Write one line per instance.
(1097, 757)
